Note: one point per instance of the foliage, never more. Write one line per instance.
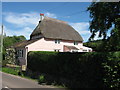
(10, 56)
(103, 15)
(4, 62)
(93, 69)
(112, 70)
(96, 45)
(106, 45)
(41, 79)
(114, 40)
(10, 40)
(13, 71)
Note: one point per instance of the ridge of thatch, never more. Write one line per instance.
(56, 29)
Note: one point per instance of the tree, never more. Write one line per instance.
(114, 40)
(9, 41)
(104, 16)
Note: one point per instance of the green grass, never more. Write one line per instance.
(13, 71)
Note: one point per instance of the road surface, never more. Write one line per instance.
(11, 82)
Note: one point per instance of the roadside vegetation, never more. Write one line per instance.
(7, 42)
(14, 71)
(95, 69)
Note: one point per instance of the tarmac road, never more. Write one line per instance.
(12, 82)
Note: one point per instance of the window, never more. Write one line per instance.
(84, 50)
(20, 53)
(57, 50)
(57, 41)
(74, 50)
(75, 43)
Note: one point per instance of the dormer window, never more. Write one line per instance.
(57, 41)
(75, 43)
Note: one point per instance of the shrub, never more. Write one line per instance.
(82, 70)
(41, 79)
(4, 62)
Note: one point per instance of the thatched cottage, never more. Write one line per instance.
(51, 35)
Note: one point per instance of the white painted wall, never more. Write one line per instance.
(47, 45)
(50, 45)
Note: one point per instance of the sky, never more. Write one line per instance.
(21, 18)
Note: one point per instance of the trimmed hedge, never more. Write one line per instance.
(82, 70)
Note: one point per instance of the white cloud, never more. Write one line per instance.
(50, 15)
(26, 31)
(21, 19)
(82, 27)
(97, 36)
(25, 19)
(23, 23)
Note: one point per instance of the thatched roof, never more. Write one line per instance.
(56, 29)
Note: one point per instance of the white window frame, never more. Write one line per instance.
(57, 41)
(85, 50)
(75, 43)
(57, 50)
(74, 50)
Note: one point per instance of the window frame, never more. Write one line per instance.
(57, 41)
(57, 50)
(20, 53)
(75, 43)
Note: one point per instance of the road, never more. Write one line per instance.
(11, 82)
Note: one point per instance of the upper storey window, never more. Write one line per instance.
(57, 41)
(75, 43)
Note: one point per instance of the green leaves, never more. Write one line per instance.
(103, 15)
(84, 70)
(10, 40)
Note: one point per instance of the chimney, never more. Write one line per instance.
(41, 16)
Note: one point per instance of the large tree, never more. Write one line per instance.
(103, 17)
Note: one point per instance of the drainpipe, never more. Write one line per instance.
(26, 55)
(1, 46)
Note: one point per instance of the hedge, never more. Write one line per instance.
(82, 70)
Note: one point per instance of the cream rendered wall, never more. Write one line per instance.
(44, 45)
(49, 45)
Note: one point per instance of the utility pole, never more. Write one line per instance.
(1, 43)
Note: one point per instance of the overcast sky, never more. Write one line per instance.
(21, 18)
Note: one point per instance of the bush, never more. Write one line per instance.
(41, 79)
(4, 62)
(80, 70)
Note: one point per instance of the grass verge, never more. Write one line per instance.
(16, 71)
